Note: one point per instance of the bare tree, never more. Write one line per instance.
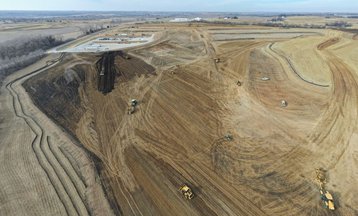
(17, 54)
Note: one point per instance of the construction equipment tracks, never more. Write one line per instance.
(69, 187)
(292, 67)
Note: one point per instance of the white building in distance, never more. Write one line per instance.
(197, 19)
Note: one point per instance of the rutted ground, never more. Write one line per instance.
(40, 164)
(189, 103)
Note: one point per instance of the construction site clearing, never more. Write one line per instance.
(201, 119)
(105, 44)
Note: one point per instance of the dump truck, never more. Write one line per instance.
(327, 199)
(186, 191)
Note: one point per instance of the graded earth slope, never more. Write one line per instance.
(187, 104)
(43, 170)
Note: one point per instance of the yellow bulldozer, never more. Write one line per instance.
(326, 196)
(187, 192)
(327, 199)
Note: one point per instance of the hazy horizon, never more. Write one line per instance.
(238, 6)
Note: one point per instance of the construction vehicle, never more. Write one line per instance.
(186, 191)
(131, 108)
(327, 199)
(134, 102)
(228, 137)
(238, 83)
(283, 103)
(326, 196)
(217, 60)
(102, 70)
(320, 176)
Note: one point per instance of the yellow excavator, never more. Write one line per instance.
(186, 191)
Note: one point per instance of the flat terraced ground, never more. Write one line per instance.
(188, 103)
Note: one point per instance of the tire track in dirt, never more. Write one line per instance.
(328, 43)
(126, 129)
(66, 169)
(172, 155)
(279, 176)
(210, 50)
(115, 169)
(72, 163)
(44, 157)
(335, 126)
(290, 64)
(68, 208)
(337, 123)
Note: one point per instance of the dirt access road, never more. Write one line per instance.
(43, 171)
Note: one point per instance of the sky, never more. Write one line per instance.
(186, 5)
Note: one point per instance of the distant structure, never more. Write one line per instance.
(234, 17)
(180, 20)
(197, 19)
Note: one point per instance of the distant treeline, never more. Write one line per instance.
(94, 28)
(336, 25)
(19, 47)
(17, 54)
(20, 53)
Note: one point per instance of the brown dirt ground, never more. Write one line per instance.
(327, 43)
(189, 104)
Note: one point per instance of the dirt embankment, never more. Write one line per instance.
(106, 72)
(56, 93)
(119, 64)
(176, 134)
(328, 43)
(61, 94)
